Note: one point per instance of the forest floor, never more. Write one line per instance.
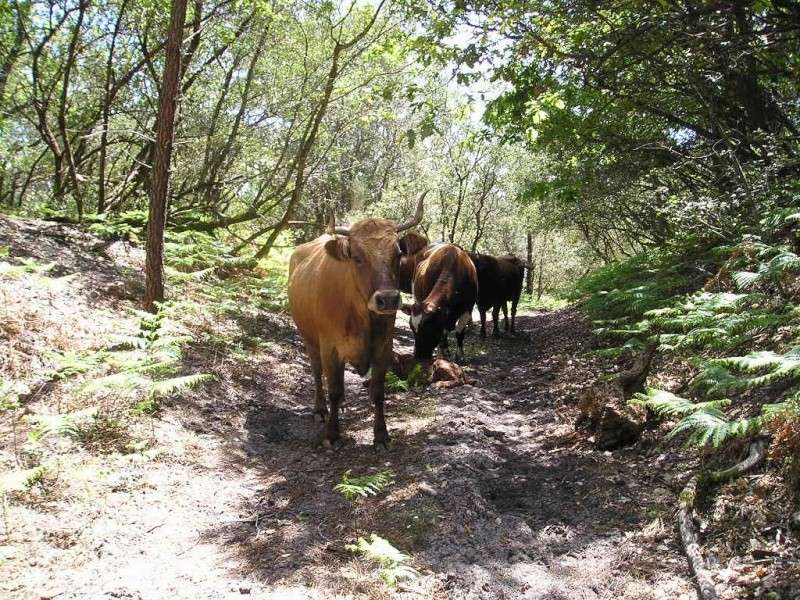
(223, 493)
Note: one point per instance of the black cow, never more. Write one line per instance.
(499, 280)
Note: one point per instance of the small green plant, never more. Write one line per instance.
(101, 432)
(128, 225)
(414, 379)
(363, 486)
(9, 396)
(36, 477)
(392, 562)
(394, 384)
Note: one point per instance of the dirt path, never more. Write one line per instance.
(495, 495)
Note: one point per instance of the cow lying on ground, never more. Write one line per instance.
(499, 280)
(444, 290)
(343, 298)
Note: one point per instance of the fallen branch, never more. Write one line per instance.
(686, 504)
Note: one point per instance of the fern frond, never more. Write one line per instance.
(392, 561)
(394, 383)
(124, 381)
(667, 404)
(713, 428)
(364, 485)
(746, 279)
(167, 387)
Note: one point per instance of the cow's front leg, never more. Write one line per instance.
(376, 395)
(483, 322)
(334, 376)
(444, 345)
(320, 410)
(495, 317)
(504, 306)
(461, 330)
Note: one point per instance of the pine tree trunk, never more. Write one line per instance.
(165, 126)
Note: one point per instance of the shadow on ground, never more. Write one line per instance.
(510, 503)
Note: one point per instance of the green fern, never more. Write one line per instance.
(394, 384)
(69, 364)
(363, 486)
(705, 428)
(392, 562)
(705, 423)
(147, 363)
(667, 404)
(174, 385)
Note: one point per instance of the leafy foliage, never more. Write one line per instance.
(365, 485)
(741, 341)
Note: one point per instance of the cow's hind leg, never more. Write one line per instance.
(514, 302)
(495, 317)
(483, 322)
(334, 376)
(461, 330)
(320, 410)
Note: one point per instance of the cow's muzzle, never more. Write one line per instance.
(385, 302)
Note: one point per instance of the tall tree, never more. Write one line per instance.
(165, 131)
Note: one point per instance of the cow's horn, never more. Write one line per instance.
(415, 220)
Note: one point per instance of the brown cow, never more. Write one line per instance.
(499, 280)
(444, 287)
(343, 298)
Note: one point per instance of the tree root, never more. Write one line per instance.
(686, 504)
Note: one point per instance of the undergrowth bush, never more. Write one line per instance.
(729, 315)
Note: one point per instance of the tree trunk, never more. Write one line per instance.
(529, 258)
(165, 126)
(539, 287)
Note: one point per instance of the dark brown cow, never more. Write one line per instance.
(444, 287)
(499, 280)
(343, 298)
(415, 244)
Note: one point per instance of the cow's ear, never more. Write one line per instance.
(412, 242)
(338, 248)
